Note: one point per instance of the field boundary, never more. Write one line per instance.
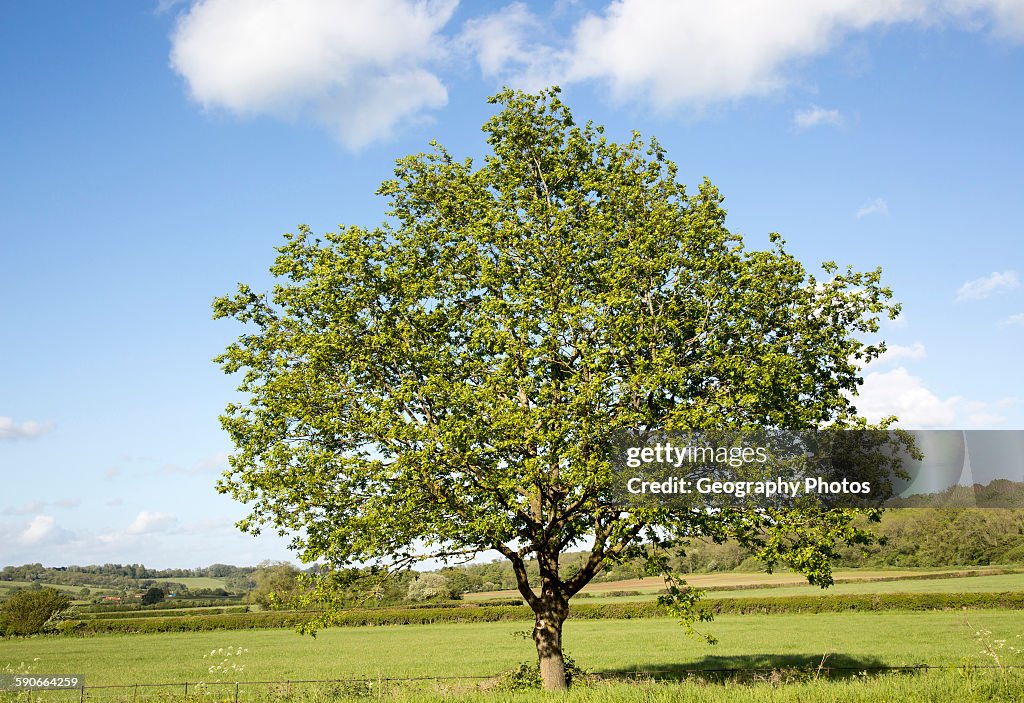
(764, 605)
(199, 689)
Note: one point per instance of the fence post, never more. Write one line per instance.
(236, 692)
(186, 689)
(82, 697)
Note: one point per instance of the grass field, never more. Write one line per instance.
(194, 582)
(737, 580)
(8, 585)
(611, 649)
(999, 583)
(485, 649)
(996, 583)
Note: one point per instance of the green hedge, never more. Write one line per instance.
(584, 611)
(163, 605)
(291, 618)
(170, 612)
(868, 602)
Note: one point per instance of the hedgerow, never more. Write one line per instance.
(582, 611)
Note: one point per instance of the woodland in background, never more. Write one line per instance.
(913, 537)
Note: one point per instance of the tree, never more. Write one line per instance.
(153, 595)
(447, 383)
(27, 612)
(429, 586)
(276, 583)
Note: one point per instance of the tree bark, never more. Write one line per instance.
(547, 634)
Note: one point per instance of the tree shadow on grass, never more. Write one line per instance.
(760, 667)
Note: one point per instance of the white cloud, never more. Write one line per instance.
(29, 429)
(878, 206)
(1001, 18)
(507, 43)
(163, 6)
(363, 67)
(39, 528)
(981, 288)
(214, 463)
(1013, 320)
(356, 67)
(897, 392)
(898, 352)
(146, 522)
(684, 52)
(27, 509)
(37, 506)
(814, 116)
(687, 53)
(985, 420)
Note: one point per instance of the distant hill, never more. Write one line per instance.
(1000, 493)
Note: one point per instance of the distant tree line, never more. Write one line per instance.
(911, 537)
(128, 576)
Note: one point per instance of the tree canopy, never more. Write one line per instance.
(447, 383)
(27, 612)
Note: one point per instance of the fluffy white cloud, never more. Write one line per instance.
(898, 392)
(362, 67)
(501, 41)
(686, 52)
(899, 352)
(39, 528)
(674, 52)
(878, 206)
(1013, 320)
(29, 429)
(146, 522)
(981, 288)
(815, 116)
(358, 67)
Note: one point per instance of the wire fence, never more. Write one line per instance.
(315, 690)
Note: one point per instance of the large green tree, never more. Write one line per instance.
(28, 612)
(448, 383)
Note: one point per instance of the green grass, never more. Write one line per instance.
(10, 585)
(997, 583)
(923, 687)
(781, 578)
(195, 582)
(849, 639)
(969, 584)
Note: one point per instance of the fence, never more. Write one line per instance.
(315, 690)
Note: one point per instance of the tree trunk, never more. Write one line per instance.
(547, 634)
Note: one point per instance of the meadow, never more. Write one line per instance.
(794, 657)
(894, 638)
(657, 650)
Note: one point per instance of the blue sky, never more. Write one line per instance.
(153, 154)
